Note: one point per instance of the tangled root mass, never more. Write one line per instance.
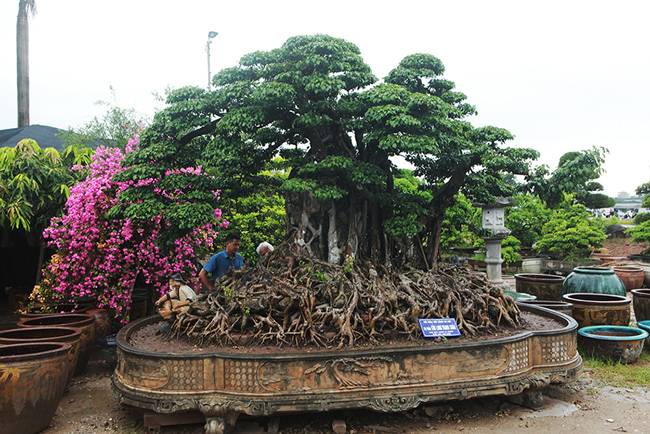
(287, 299)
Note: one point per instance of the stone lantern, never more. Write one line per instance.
(494, 221)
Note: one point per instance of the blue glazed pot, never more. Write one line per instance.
(619, 343)
(593, 280)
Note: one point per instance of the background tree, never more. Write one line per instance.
(114, 129)
(25, 7)
(311, 103)
(592, 200)
(571, 232)
(35, 184)
(526, 219)
(573, 175)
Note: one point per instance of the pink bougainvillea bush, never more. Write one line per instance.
(102, 258)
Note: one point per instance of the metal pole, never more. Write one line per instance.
(211, 35)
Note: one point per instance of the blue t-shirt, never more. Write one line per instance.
(218, 264)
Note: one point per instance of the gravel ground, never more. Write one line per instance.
(582, 407)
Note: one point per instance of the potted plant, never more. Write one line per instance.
(571, 233)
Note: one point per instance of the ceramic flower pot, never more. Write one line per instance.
(632, 277)
(543, 286)
(558, 306)
(621, 344)
(599, 309)
(69, 335)
(646, 274)
(84, 322)
(641, 304)
(33, 377)
(593, 280)
(102, 323)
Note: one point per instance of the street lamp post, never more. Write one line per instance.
(211, 35)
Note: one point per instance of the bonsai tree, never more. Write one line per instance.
(350, 230)
(571, 232)
(573, 177)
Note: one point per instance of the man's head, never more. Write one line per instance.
(232, 243)
(177, 279)
(264, 248)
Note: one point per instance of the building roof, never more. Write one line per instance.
(45, 136)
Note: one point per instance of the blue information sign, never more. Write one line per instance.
(439, 327)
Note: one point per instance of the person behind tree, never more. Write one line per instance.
(178, 299)
(264, 248)
(219, 263)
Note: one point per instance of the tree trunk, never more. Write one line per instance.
(22, 62)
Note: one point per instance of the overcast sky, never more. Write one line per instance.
(559, 75)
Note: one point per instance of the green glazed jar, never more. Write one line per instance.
(593, 280)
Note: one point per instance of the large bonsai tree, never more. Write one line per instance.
(314, 102)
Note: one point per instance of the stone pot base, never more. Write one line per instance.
(223, 384)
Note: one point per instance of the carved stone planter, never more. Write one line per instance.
(223, 383)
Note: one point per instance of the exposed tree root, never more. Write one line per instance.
(297, 300)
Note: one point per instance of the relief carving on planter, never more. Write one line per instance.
(144, 372)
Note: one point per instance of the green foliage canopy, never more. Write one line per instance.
(315, 103)
(35, 183)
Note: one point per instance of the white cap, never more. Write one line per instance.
(264, 244)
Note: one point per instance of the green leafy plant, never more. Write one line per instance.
(570, 231)
(641, 234)
(641, 217)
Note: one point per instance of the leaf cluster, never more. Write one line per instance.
(570, 231)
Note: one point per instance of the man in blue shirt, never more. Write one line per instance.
(219, 264)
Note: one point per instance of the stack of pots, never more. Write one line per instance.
(84, 322)
(30, 335)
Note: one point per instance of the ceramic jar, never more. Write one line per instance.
(543, 286)
(593, 280)
(34, 381)
(632, 277)
(620, 344)
(102, 323)
(69, 335)
(641, 304)
(599, 309)
(84, 322)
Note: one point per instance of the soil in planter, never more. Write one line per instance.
(147, 338)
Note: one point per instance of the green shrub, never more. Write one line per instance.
(641, 217)
(570, 232)
(510, 249)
